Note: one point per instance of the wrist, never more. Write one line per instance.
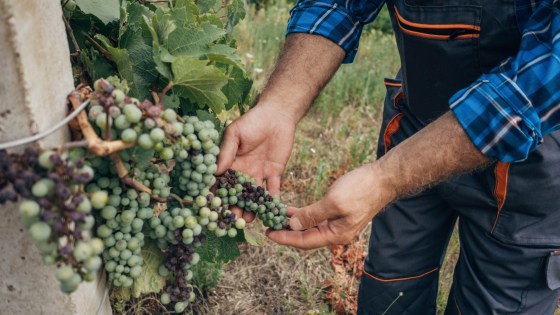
(281, 109)
(384, 185)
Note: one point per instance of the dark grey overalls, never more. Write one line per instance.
(509, 213)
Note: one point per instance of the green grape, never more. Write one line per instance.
(101, 121)
(216, 202)
(135, 271)
(166, 154)
(180, 307)
(157, 134)
(45, 160)
(118, 96)
(132, 112)
(64, 273)
(108, 212)
(96, 246)
(99, 199)
(93, 263)
(104, 231)
(145, 142)
(169, 115)
(82, 251)
(40, 231)
(195, 259)
(42, 187)
(165, 298)
(129, 135)
(162, 271)
(85, 205)
(29, 209)
(240, 223)
(110, 265)
(121, 122)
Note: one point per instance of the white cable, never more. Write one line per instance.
(42, 134)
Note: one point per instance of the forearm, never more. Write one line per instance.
(439, 151)
(305, 66)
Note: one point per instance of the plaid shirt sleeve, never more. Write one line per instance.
(507, 112)
(340, 21)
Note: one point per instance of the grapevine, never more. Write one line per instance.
(148, 174)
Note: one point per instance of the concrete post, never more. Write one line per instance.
(35, 77)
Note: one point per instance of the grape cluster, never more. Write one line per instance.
(57, 212)
(237, 189)
(17, 175)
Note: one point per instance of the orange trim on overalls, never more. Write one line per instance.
(398, 84)
(401, 21)
(397, 98)
(392, 127)
(435, 26)
(501, 171)
(457, 306)
(401, 279)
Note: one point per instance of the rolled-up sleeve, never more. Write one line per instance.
(340, 21)
(507, 112)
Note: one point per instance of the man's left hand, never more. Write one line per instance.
(351, 202)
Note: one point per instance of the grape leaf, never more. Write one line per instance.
(149, 281)
(255, 238)
(192, 41)
(224, 54)
(121, 294)
(171, 101)
(106, 11)
(191, 9)
(236, 13)
(206, 5)
(199, 82)
(238, 87)
(220, 249)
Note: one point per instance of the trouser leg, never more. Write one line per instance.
(406, 248)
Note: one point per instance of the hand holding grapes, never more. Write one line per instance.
(351, 202)
(259, 143)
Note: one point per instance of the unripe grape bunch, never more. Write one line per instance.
(88, 212)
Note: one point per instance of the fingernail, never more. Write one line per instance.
(295, 224)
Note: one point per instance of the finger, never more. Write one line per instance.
(310, 216)
(312, 238)
(237, 211)
(248, 216)
(291, 211)
(273, 185)
(228, 149)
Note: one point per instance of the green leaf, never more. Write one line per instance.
(105, 10)
(224, 54)
(162, 67)
(193, 41)
(219, 249)
(199, 82)
(255, 238)
(149, 281)
(238, 87)
(121, 294)
(206, 5)
(236, 13)
(134, 62)
(191, 10)
(135, 14)
(213, 19)
(140, 156)
(95, 65)
(171, 101)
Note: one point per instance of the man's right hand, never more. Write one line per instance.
(259, 144)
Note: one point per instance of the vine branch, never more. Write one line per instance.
(104, 51)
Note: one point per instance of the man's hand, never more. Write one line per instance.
(440, 150)
(343, 212)
(258, 144)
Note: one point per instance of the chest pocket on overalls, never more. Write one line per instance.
(439, 49)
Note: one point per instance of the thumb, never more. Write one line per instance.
(310, 216)
(228, 149)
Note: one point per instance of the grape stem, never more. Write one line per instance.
(95, 144)
(125, 178)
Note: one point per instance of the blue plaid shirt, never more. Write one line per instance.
(506, 112)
